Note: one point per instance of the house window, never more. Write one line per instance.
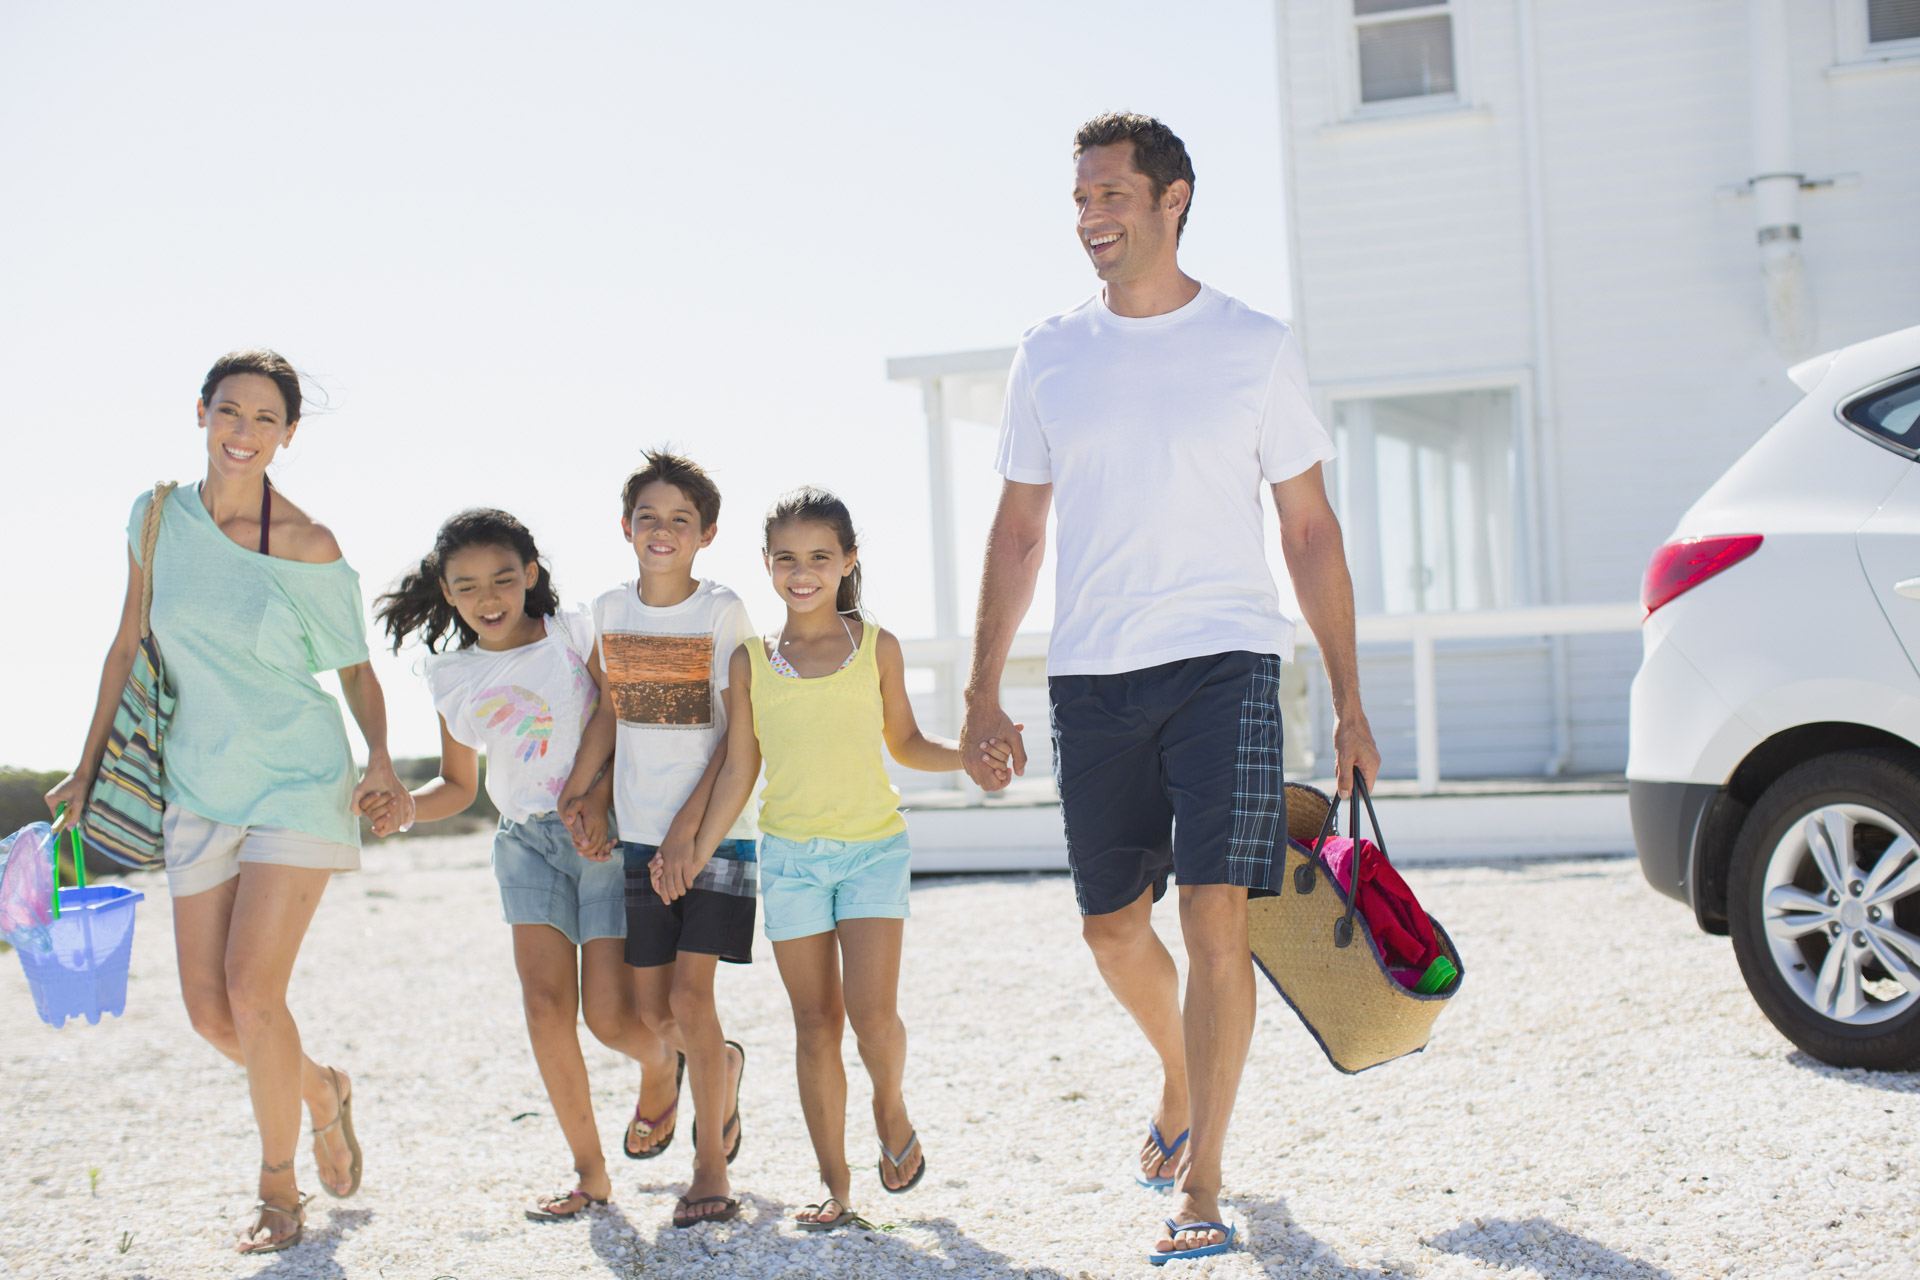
(1405, 49)
(1426, 486)
(1891, 20)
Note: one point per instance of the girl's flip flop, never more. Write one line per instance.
(560, 1206)
(841, 1219)
(897, 1161)
(646, 1127)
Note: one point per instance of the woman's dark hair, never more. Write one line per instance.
(268, 364)
(419, 605)
(817, 506)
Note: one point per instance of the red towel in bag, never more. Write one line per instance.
(1392, 913)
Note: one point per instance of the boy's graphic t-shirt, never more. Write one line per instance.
(524, 707)
(666, 669)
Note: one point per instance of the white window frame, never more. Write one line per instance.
(1346, 60)
(1527, 569)
(1853, 51)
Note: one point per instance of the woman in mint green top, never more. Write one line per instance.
(251, 599)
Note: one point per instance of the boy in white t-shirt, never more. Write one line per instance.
(660, 659)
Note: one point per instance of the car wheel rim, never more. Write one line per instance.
(1840, 903)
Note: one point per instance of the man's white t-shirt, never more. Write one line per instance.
(666, 670)
(524, 707)
(1157, 435)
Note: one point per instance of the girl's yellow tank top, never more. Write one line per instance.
(820, 741)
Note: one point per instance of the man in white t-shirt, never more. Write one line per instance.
(1152, 415)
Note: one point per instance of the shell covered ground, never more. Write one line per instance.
(1602, 1099)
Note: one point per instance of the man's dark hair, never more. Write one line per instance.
(683, 474)
(1158, 153)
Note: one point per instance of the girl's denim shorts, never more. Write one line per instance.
(543, 880)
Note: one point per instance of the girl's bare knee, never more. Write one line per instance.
(813, 1028)
(546, 1004)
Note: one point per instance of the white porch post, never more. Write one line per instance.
(947, 677)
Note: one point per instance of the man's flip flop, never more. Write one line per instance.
(897, 1161)
(733, 1121)
(342, 1120)
(1160, 1183)
(561, 1206)
(646, 1126)
(727, 1214)
(1160, 1259)
(841, 1219)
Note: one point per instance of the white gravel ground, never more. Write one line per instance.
(1602, 1100)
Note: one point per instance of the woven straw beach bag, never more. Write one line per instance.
(122, 817)
(1322, 958)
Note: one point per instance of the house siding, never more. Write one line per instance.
(1413, 263)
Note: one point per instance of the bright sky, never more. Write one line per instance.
(514, 250)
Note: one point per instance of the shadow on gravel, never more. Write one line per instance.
(874, 1249)
(957, 1246)
(1499, 1242)
(1886, 1081)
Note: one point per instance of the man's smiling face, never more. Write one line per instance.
(1125, 232)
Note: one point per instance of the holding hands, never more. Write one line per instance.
(381, 798)
(586, 819)
(991, 748)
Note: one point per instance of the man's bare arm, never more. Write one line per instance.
(1317, 563)
(1016, 544)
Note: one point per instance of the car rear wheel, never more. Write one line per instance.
(1823, 897)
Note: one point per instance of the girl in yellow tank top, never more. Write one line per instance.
(814, 703)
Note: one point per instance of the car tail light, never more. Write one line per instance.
(1681, 566)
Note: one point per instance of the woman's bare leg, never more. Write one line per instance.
(201, 924)
(810, 968)
(271, 909)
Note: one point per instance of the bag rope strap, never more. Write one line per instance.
(150, 538)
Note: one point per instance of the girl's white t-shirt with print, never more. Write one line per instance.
(1158, 435)
(524, 707)
(666, 671)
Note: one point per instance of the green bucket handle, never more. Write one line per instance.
(79, 861)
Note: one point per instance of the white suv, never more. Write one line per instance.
(1774, 767)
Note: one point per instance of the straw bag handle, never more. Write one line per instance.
(149, 539)
(1303, 875)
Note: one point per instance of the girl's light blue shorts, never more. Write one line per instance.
(544, 880)
(809, 886)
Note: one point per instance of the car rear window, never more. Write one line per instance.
(1890, 413)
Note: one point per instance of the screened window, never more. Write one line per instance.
(1890, 20)
(1405, 49)
(1890, 415)
(1426, 487)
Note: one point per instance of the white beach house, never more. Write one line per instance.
(1550, 264)
(1551, 261)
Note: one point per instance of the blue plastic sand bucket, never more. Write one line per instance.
(84, 971)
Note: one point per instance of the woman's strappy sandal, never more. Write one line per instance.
(343, 1121)
(260, 1211)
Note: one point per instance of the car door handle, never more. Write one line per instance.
(1909, 588)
